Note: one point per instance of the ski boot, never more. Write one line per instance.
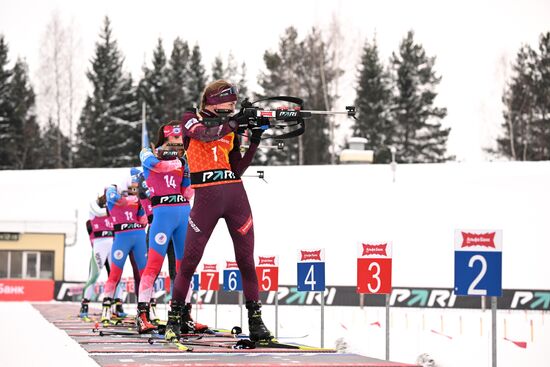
(199, 328)
(106, 310)
(84, 310)
(143, 323)
(179, 321)
(153, 306)
(256, 328)
(173, 328)
(119, 311)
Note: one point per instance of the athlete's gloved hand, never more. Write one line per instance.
(239, 120)
(257, 132)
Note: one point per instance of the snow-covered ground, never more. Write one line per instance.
(27, 339)
(453, 338)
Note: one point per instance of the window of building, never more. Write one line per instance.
(26, 264)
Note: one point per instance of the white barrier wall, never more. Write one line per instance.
(336, 207)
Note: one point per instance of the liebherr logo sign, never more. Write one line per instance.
(478, 239)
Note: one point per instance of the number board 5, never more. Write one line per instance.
(478, 262)
(210, 278)
(311, 270)
(232, 279)
(267, 272)
(374, 268)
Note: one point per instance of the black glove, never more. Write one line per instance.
(256, 136)
(142, 188)
(240, 118)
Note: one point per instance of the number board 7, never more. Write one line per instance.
(210, 278)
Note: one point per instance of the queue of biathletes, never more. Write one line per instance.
(200, 156)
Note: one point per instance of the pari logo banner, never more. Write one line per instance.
(376, 249)
(311, 255)
(478, 240)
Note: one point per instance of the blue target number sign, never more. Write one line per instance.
(311, 271)
(478, 263)
(195, 282)
(232, 279)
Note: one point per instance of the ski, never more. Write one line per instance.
(171, 338)
(241, 344)
(274, 343)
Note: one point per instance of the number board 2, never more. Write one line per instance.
(232, 279)
(267, 271)
(478, 262)
(311, 270)
(210, 278)
(374, 268)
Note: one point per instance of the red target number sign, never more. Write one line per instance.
(210, 278)
(267, 272)
(374, 269)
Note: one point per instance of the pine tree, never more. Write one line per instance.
(527, 105)
(279, 79)
(177, 98)
(242, 84)
(26, 150)
(196, 77)
(108, 131)
(419, 135)
(153, 90)
(317, 73)
(218, 70)
(6, 134)
(49, 138)
(372, 103)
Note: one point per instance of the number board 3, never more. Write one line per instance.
(374, 268)
(478, 262)
(311, 270)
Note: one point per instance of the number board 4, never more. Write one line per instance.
(478, 262)
(210, 278)
(374, 268)
(232, 279)
(311, 270)
(267, 272)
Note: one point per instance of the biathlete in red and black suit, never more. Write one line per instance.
(216, 165)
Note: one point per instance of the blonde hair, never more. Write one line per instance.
(212, 88)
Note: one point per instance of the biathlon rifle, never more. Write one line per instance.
(288, 120)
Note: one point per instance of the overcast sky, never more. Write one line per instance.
(474, 41)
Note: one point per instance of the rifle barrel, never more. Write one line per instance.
(313, 112)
